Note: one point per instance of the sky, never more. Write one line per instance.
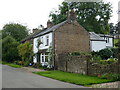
(33, 13)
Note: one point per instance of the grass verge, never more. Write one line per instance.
(73, 78)
(11, 64)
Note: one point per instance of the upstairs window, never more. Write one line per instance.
(107, 39)
(47, 40)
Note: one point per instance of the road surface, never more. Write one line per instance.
(17, 78)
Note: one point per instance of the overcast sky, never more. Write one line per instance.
(32, 13)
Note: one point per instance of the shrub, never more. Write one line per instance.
(114, 52)
(105, 53)
(96, 58)
(109, 61)
(111, 76)
(26, 53)
(80, 53)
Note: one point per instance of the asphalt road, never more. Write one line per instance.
(17, 78)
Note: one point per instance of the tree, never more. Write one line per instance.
(93, 16)
(9, 49)
(17, 31)
(26, 52)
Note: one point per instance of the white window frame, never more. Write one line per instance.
(43, 55)
(47, 40)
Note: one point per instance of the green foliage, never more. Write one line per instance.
(116, 42)
(111, 76)
(73, 78)
(106, 53)
(105, 56)
(115, 52)
(17, 31)
(93, 16)
(109, 61)
(25, 51)
(80, 53)
(9, 49)
(96, 58)
(38, 43)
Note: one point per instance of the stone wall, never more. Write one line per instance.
(82, 65)
(100, 69)
(74, 64)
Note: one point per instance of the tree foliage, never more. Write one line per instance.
(93, 16)
(17, 31)
(9, 49)
(25, 51)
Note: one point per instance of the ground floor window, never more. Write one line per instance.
(44, 58)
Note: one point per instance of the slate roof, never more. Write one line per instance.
(51, 29)
(45, 31)
(103, 35)
(94, 36)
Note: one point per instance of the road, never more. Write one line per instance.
(17, 78)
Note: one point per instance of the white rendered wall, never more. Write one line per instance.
(43, 39)
(97, 45)
(110, 43)
(42, 46)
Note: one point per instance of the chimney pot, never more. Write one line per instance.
(35, 30)
(49, 24)
(72, 15)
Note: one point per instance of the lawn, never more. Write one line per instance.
(73, 78)
(11, 64)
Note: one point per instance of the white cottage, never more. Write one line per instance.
(100, 41)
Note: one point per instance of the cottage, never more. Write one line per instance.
(100, 41)
(65, 37)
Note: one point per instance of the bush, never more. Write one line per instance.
(80, 53)
(105, 53)
(109, 61)
(111, 76)
(96, 58)
(26, 52)
(114, 52)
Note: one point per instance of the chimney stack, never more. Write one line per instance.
(49, 24)
(35, 30)
(72, 15)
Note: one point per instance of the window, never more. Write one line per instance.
(107, 39)
(42, 39)
(44, 58)
(47, 40)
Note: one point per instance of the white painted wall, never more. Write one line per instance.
(42, 46)
(110, 43)
(43, 39)
(97, 45)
